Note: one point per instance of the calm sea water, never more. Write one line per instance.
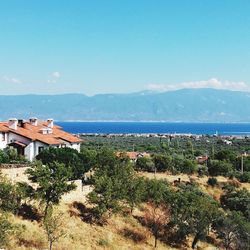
(156, 127)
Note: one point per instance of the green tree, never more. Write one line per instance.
(226, 155)
(144, 164)
(76, 163)
(217, 167)
(106, 157)
(9, 196)
(163, 162)
(234, 230)
(110, 187)
(157, 191)
(88, 158)
(237, 200)
(193, 212)
(52, 182)
(135, 192)
(3, 157)
(187, 166)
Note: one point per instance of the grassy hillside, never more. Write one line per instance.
(122, 231)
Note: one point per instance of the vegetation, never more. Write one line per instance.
(75, 162)
(52, 182)
(53, 226)
(9, 156)
(172, 212)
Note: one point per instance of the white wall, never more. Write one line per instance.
(3, 144)
(76, 146)
(15, 137)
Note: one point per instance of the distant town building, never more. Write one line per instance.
(30, 137)
(201, 159)
(133, 156)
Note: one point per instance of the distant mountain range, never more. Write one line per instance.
(186, 105)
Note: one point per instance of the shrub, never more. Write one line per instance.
(5, 230)
(212, 181)
(9, 196)
(134, 235)
(217, 167)
(245, 177)
(103, 242)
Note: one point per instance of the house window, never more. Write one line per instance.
(3, 136)
(40, 149)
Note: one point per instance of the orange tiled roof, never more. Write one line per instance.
(133, 155)
(58, 136)
(3, 127)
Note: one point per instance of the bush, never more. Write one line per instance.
(10, 196)
(202, 170)
(212, 181)
(134, 235)
(6, 229)
(103, 242)
(245, 177)
(163, 162)
(237, 200)
(188, 167)
(145, 164)
(216, 167)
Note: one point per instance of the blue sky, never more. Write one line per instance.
(104, 46)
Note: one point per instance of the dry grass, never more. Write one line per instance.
(202, 181)
(120, 232)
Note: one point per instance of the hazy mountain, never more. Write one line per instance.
(189, 105)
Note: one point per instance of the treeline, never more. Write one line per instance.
(224, 162)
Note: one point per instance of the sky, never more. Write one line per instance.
(123, 46)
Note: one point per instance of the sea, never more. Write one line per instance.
(240, 129)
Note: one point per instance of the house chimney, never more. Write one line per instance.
(12, 123)
(20, 123)
(50, 123)
(33, 121)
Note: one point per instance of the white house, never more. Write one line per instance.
(32, 136)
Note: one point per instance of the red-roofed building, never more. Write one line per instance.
(31, 137)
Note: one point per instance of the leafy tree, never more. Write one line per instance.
(157, 191)
(135, 191)
(111, 184)
(226, 155)
(187, 166)
(88, 158)
(9, 196)
(237, 200)
(156, 218)
(234, 230)
(76, 163)
(192, 213)
(106, 157)
(217, 167)
(53, 226)
(163, 162)
(3, 157)
(52, 182)
(145, 164)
